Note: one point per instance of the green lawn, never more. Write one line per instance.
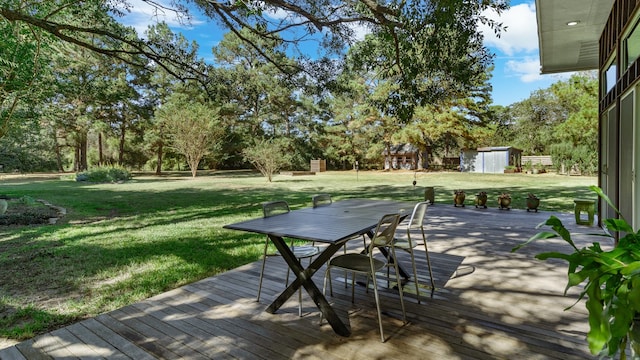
(121, 243)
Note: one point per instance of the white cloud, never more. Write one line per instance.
(521, 34)
(141, 14)
(528, 70)
(359, 31)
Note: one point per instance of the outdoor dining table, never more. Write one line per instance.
(331, 224)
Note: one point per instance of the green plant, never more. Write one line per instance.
(611, 282)
(27, 200)
(528, 165)
(104, 174)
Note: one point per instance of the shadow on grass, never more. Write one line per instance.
(103, 248)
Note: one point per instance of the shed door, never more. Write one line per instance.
(495, 162)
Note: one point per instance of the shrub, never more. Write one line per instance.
(27, 200)
(104, 174)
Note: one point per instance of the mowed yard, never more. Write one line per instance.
(121, 243)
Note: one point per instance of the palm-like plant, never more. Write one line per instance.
(611, 283)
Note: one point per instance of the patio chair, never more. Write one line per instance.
(321, 200)
(368, 264)
(324, 200)
(279, 207)
(416, 222)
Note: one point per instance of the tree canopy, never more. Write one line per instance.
(441, 36)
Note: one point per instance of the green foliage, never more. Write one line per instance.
(105, 174)
(268, 156)
(436, 56)
(17, 156)
(22, 67)
(579, 157)
(561, 120)
(26, 200)
(610, 280)
(192, 127)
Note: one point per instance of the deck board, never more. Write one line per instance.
(489, 303)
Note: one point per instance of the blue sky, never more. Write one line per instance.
(517, 64)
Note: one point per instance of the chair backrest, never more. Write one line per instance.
(417, 217)
(275, 208)
(321, 200)
(385, 231)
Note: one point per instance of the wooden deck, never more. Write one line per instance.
(489, 304)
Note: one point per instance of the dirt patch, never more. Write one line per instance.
(26, 211)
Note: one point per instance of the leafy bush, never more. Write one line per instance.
(27, 200)
(104, 174)
(268, 156)
(610, 281)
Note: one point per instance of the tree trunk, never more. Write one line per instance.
(100, 153)
(121, 145)
(76, 158)
(193, 162)
(159, 159)
(84, 150)
(388, 156)
(56, 148)
(420, 160)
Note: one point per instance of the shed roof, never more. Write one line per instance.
(498, 148)
(402, 149)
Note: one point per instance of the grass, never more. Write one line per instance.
(120, 243)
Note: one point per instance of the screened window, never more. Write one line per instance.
(609, 77)
(632, 46)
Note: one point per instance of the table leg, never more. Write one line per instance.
(303, 278)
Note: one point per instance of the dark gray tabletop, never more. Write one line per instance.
(329, 223)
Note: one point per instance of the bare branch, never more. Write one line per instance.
(134, 47)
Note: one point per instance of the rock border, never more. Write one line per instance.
(58, 209)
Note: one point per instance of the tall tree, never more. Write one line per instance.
(535, 118)
(418, 33)
(24, 53)
(192, 126)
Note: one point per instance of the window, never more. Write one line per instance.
(631, 45)
(609, 77)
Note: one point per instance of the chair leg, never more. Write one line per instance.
(375, 291)
(330, 282)
(367, 284)
(426, 251)
(264, 260)
(413, 263)
(346, 273)
(327, 273)
(353, 288)
(395, 265)
(300, 302)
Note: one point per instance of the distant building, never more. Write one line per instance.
(492, 160)
(403, 156)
